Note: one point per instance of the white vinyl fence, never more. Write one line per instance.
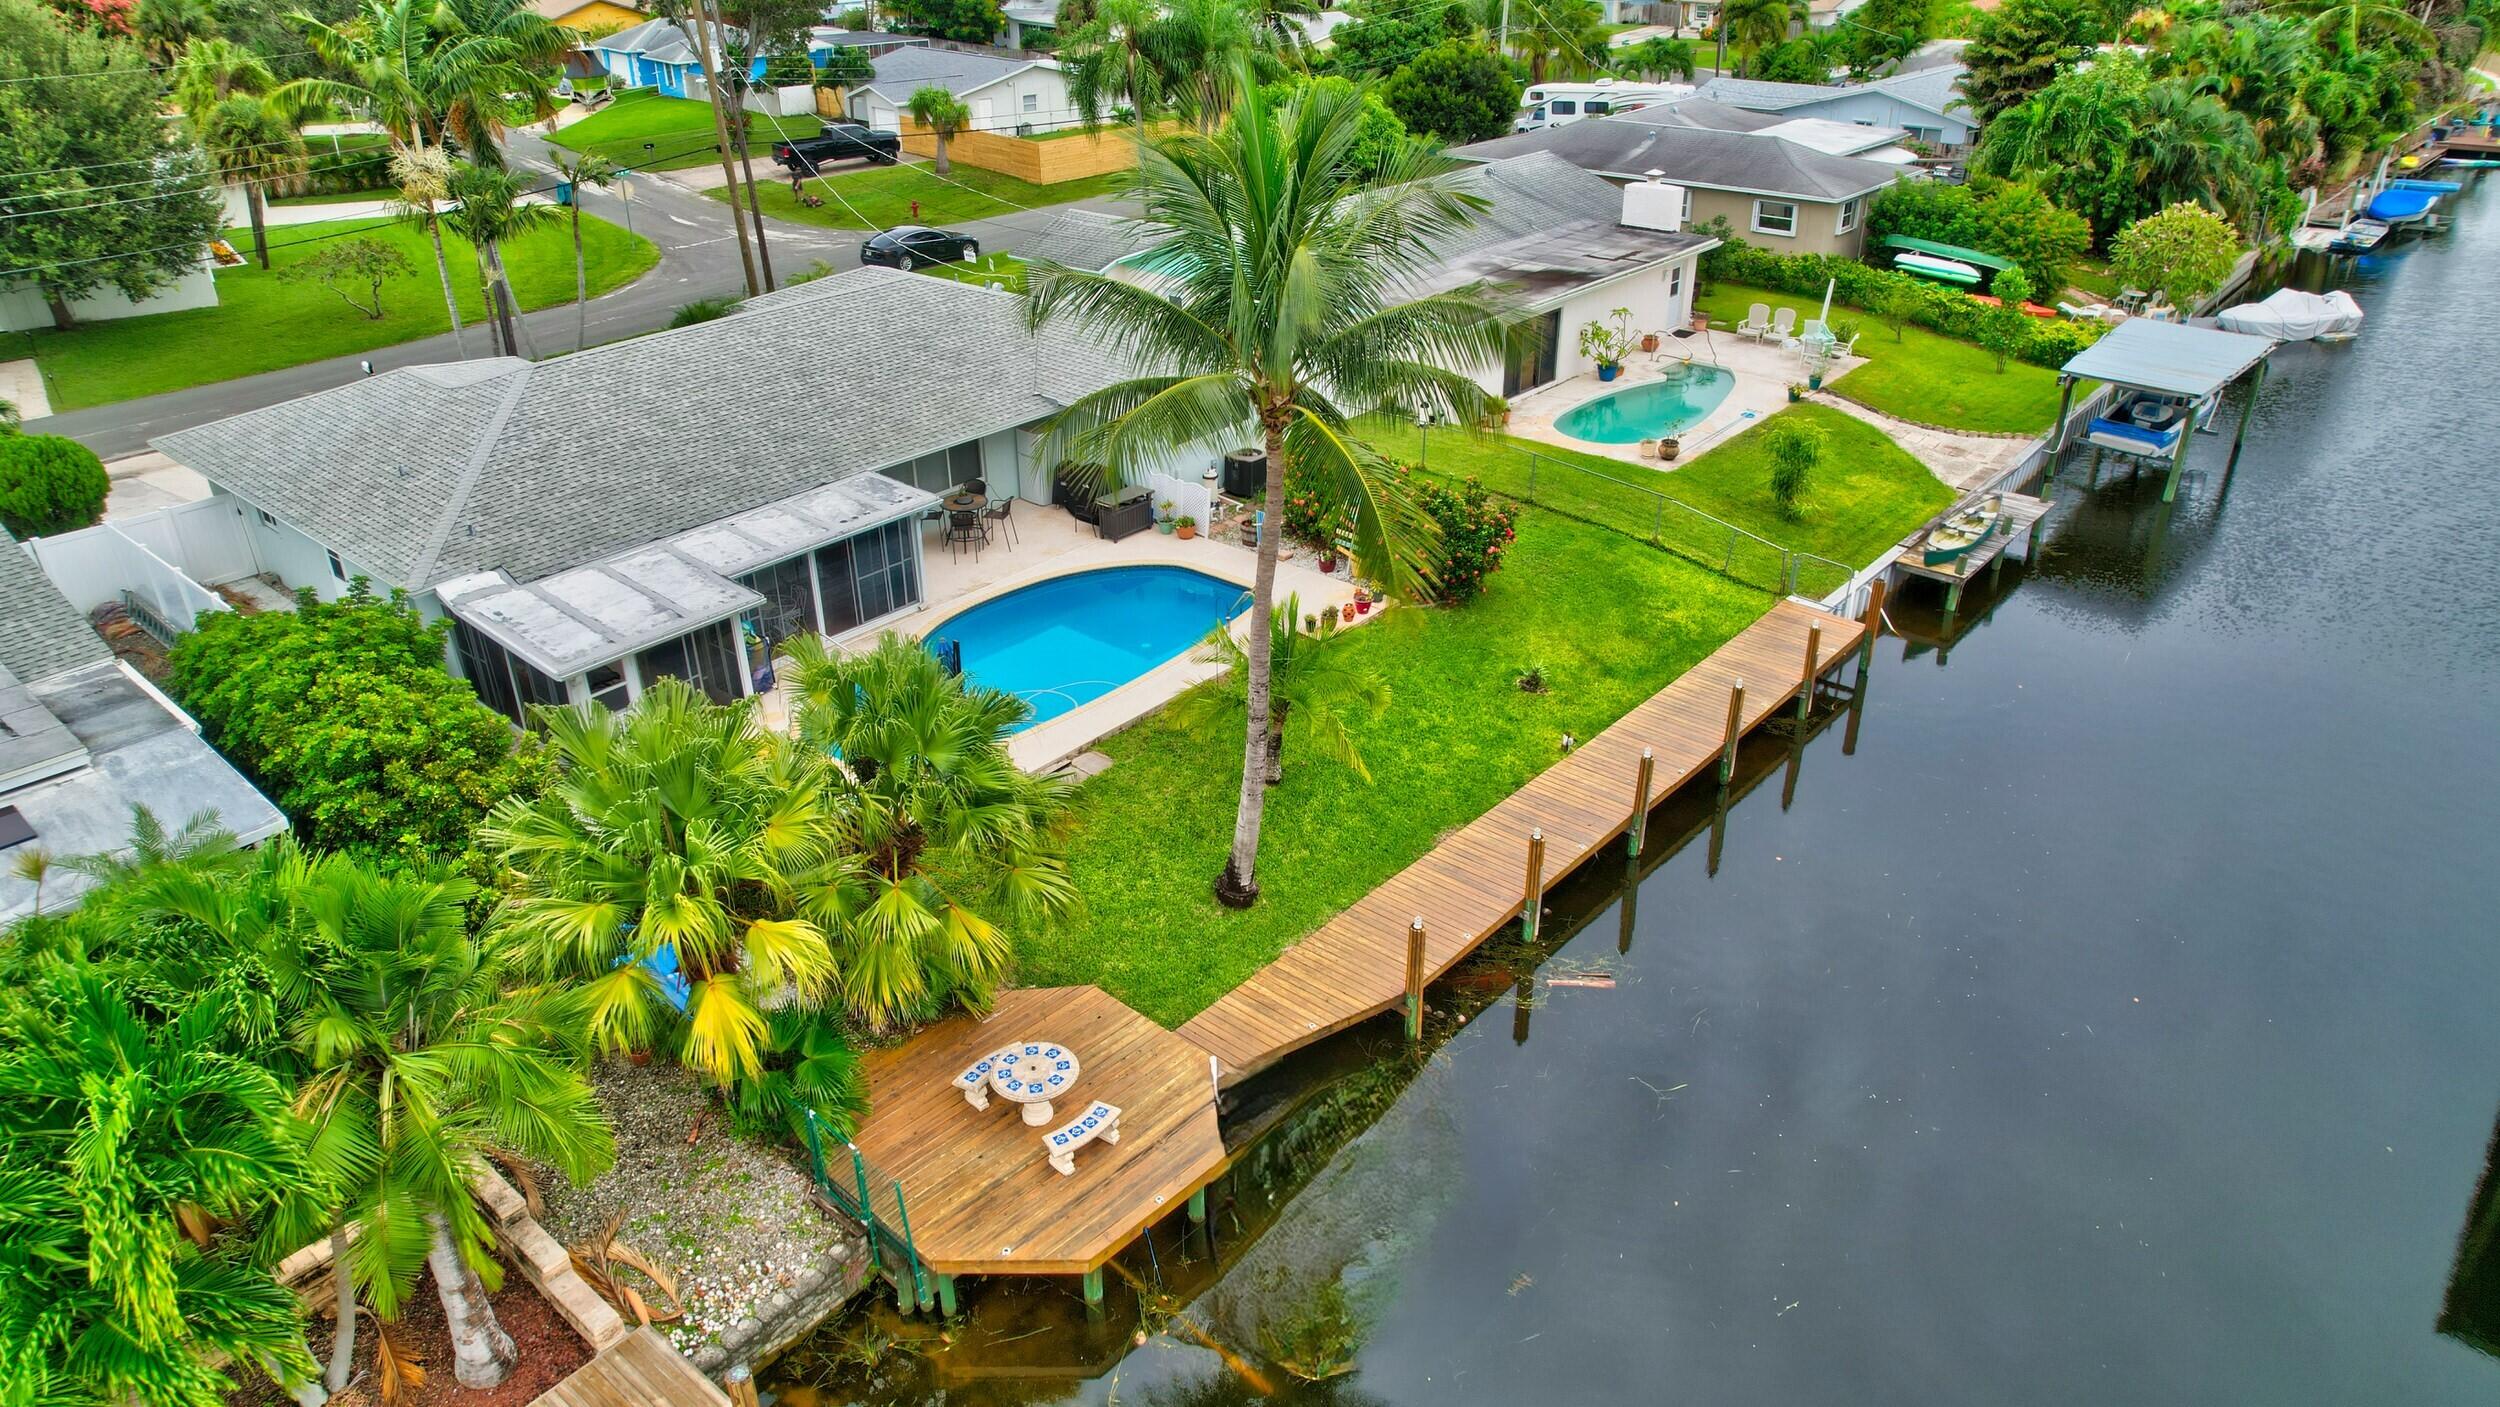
(154, 563)
(1187, 496)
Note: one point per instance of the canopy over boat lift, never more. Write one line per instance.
(2163, 360)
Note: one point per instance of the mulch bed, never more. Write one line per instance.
(549, 1351)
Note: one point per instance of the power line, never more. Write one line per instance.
(134, 69)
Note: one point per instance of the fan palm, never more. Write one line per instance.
(1273, 304)
(677, 834)
(254, 143)
(422, 1065)
(125, 1141)
(487, 210)
(1311, 680)
(944, 825)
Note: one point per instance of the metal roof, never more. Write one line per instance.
(2171, 358)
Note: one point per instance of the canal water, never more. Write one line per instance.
(2118, 1022)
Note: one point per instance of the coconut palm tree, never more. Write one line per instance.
(947, 831)
(422, 1064)
(1112, 62)
(1311, 680)
(254, 143)
(1274, 308)
(678, 837)
(1752, 26)
(417, 69)
(128, 1143)
(1657, 57)
(421, 180)
(581, 170)
(488, 210)
(164, 27)
(212, 70)
(944, 114)
(1201, 45)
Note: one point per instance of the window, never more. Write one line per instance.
(941, 471)
(507, 685)
(266, 520)
(867, 576)
(1032, 102)
(1599, 107)
(1849, 214)
(706, 658)
(1565, 107)
(789, 592)
(1777, 217)
(1685, 215)
(607, 686)
(1675, 282)
(337, 568)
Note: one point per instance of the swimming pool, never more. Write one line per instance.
(1068, 641)
(1650, 410)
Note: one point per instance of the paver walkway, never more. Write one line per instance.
(1962, 461)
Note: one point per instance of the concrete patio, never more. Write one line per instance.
(1763, 372)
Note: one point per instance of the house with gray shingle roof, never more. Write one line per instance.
(1771, 190)
(1925, 101)
(671, 504)
(1005, 95)
(83, 739)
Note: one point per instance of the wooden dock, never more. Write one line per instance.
(1472, 883)
(2022, 519)
(639, 1370)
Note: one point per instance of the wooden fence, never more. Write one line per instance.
(1042, 163)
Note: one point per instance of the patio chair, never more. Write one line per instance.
(964, 526)
(1784, 325)
(999, 513)
(1757, 321)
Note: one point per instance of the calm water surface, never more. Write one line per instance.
(2120, 1023)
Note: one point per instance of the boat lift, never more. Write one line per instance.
(2163, 376)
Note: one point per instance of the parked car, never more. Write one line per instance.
(917, 247)
(840, 141)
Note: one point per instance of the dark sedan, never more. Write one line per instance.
(917, 247)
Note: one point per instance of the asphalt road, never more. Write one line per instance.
(698, 259)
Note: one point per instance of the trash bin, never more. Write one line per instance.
(564, 192)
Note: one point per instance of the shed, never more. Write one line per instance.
(2167, 360)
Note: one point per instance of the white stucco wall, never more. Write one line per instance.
(294, 557)
(1661, 300)
(22, 307)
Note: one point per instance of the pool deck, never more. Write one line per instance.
(1763, 372)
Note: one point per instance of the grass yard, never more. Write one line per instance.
(334, 150)
(1609, 621)
(679, 131)
(2092, 278)
(1868, 493)
(1926, 376)
(880, 197)
(1005, 270)
(263, 323)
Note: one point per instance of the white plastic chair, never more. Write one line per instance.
(1784, 325)
(1757, 321)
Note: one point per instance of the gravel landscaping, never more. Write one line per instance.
(734, 1221)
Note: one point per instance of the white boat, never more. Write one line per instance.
(2289, 315)
(1941, 270)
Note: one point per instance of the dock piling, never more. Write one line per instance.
(1532, 893)
(1873, 621)
(1198, 1206)
(1415, 979)
(1735, 730)
(1814, 661)
(1641, 780)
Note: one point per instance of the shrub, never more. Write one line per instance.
(2043, 341)
(1795, 448)
(49, 484)
(2013, 286)
(343, 712)
(2183, 253)
(703, 310)
(1476, 529)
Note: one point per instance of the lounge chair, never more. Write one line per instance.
(1784, 325)
(1757, 321)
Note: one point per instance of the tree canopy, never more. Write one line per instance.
(1457, 91)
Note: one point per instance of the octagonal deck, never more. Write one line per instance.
(982, 1197)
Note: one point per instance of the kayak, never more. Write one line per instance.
(1941, 270)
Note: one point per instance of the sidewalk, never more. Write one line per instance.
(1962, 461)
(21, 385)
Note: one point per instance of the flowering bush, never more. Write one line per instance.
(1476, 529)
(1313, 517)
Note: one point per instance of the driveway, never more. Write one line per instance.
(698, 259)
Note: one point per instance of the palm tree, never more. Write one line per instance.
(419, 69)
(127, 1143)
(211, 70)
(1655, 58)
(1111, 62)
(2342, 23)
(489, 211)
(581, 170)
(421, 175)
(254, 143)
(1311, 680)
(2189, 146)
(422, 1066)
(680, 837)
(1273, 305)
(200, 842)
(943, 823)
(1202, 45)
(1564, 37)
(944, 114)
(164, 27)
(1753, 25)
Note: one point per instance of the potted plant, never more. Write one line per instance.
(1496, 414)
(1163, 514)
(1649, 341)
(1669, 447)
(1796, 393)
(1188, 527)
(1607, 343)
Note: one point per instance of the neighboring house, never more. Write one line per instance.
(1817, 133)
(1012, 96)
(589, 16)
(1565, 248)
(1091, 240)
(22, 305)
(1030, 20)
(1677, 15)
(597, 521)
(1771, 191)
(822, 42)
(1925, 102)
(659, 54)
(83, 739)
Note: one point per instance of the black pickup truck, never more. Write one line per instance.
(840, 141)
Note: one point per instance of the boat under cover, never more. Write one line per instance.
(2290, 315)
(2397, 204)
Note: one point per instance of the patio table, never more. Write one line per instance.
(966, 502)
(1032, 1074)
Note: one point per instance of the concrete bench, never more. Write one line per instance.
(1101, 1121)
(975, 1082)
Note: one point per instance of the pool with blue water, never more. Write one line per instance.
(1650, 410)
(1063, 643)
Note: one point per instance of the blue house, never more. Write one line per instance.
(661, 54)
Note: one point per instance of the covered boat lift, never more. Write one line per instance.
(2165, 360)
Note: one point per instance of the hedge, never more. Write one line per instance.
(2050, 342)
(49, 484)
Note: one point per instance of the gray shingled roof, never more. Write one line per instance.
(1091, 240)
(427, 473)
(1551, 228)
(906, 71)
(1627, 148)
(1763, 96)
(41, 633)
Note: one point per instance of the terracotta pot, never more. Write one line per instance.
(638, 1057)
(1649, 341)
(1186, 531)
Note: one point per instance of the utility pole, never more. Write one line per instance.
(720, 132)
(738, 124)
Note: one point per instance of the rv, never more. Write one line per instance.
(1560, 104)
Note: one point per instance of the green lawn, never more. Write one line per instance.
(1004, 269)
(2092, 278)
(679, 131)
(262, 323)
(1926, 376)
(1608, 620)
(881, 197)
(333, 149)
(1869, 493)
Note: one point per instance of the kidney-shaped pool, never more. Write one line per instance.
(1068, 641)
(1649, 410)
